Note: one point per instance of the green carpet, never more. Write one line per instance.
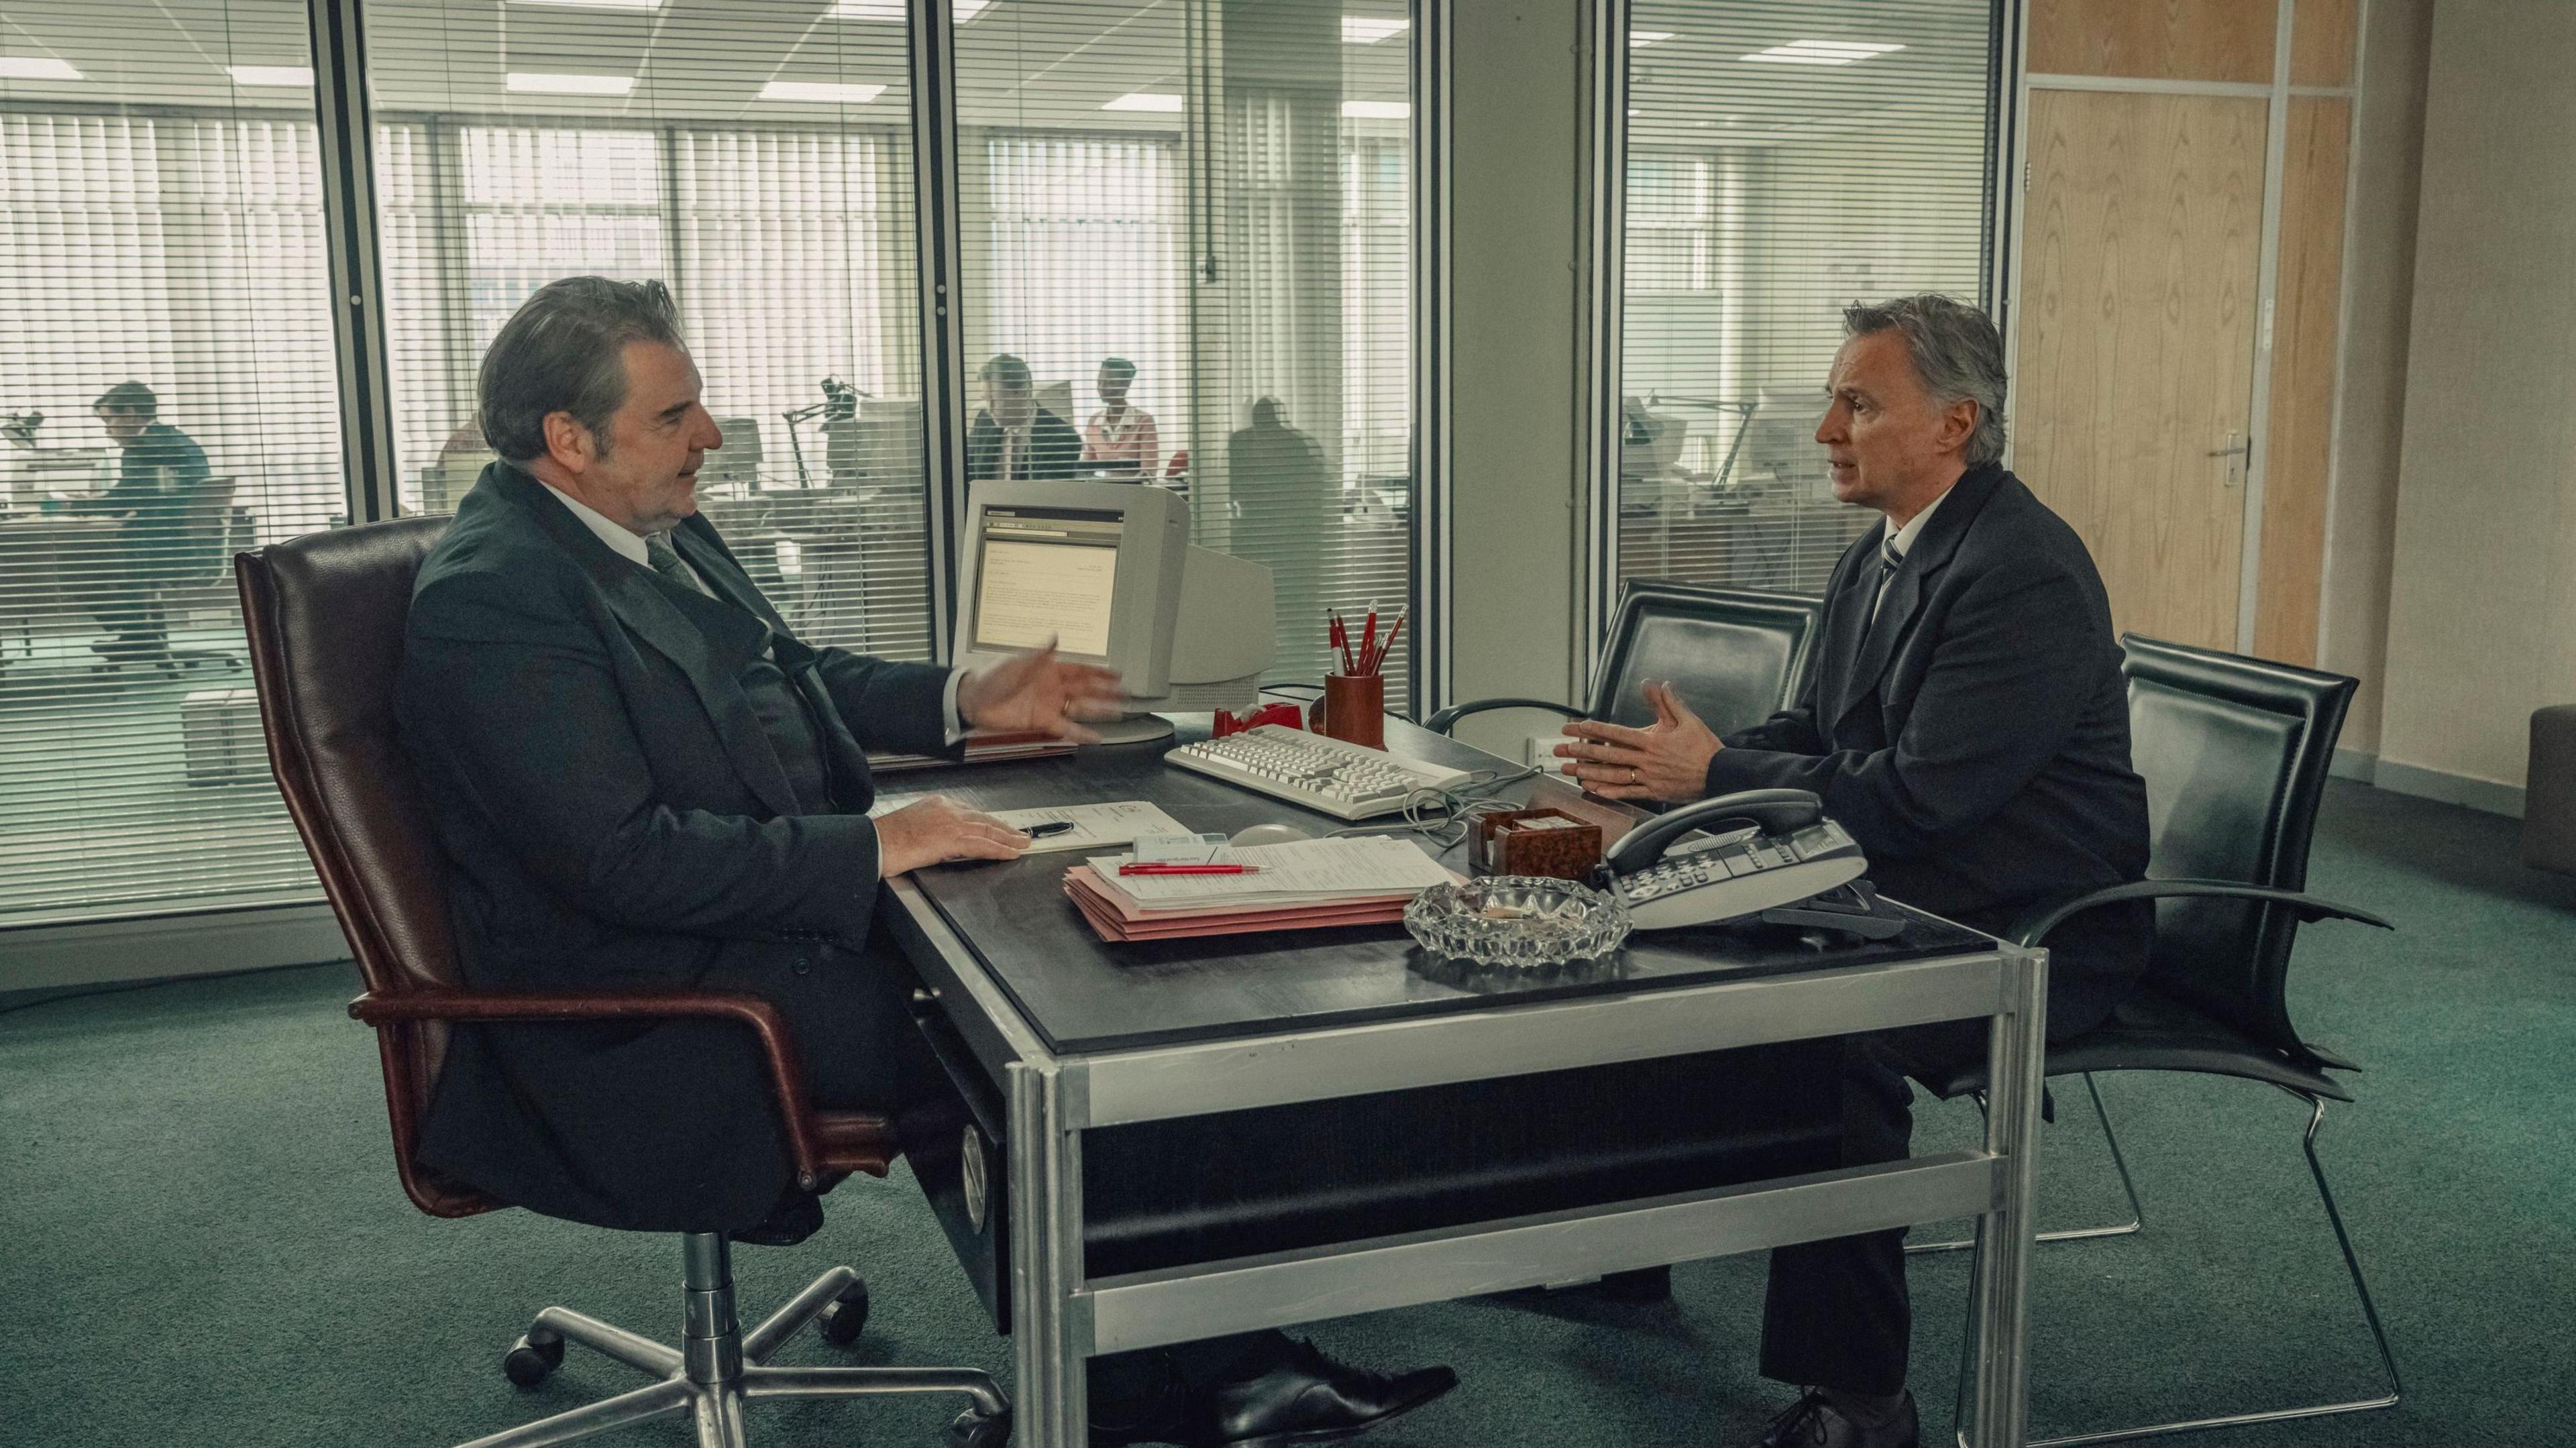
(205, 1243)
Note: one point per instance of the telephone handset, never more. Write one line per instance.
(1781, 850)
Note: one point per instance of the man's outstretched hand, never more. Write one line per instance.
(938, 828)
(1036, 690)
(1666, 760)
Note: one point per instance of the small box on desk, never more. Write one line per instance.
(1543, 841)
(219, 736)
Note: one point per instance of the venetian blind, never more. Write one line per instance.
(167, 397)
(755, 156)
(1785, 158)
(1186, 225)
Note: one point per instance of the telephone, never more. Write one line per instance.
(1773, 848)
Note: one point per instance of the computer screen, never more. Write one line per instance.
(1044, 572)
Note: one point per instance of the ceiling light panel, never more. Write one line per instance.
(36, 67)
(826, 92)
(1822, 52)
(537, 82)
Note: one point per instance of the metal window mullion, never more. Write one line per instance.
(347, 135)
(935, 179)
(1429, 685)
(1600, 426)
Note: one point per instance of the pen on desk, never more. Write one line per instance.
(1152, 869)
(1051, 827)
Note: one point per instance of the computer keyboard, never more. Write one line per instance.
(1348, 781)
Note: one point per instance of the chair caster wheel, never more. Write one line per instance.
(841, 1323)
(971, 1429)
(532, 1359)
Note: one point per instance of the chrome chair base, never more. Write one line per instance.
(2361, 1289)
(2137, 1214)
(719, 1369)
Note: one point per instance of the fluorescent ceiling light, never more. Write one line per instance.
(1647, 37)
(1144, 101)
(1822, 52)
(571, 85)
(36, 67)
(1376, 110)
(597, 4)
(1360, 30)
(892, 11)
(295, 75)
(827, 91)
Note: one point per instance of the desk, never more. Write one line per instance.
(1080, 1037)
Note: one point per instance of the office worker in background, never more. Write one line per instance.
(1013, 438)
(161, 472)
(1283, 495)
(1120, 440)
(1968, 724)
(640, 776)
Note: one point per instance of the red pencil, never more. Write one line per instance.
(1388, 647)
(1150, 869)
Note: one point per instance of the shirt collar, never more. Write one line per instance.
(1903, 542)
(628, 544)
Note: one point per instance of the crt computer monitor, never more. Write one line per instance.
(1108, 571)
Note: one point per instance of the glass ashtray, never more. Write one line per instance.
(1517, 920)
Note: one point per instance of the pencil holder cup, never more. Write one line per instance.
(1353, 709)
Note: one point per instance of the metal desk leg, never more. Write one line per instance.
(2016, 1063)
(1046, 1264)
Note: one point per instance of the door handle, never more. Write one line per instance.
(2239, 452)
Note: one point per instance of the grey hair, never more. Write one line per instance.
(1956, 352)
(564, 350)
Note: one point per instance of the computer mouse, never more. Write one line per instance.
(1270, 834)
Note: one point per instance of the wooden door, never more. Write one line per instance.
(2141, 249)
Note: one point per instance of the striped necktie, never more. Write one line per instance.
(1888, 562)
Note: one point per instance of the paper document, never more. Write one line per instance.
(1094, 825)
(1356, 868)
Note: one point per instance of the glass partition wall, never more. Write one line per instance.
(1184, 223)
(1215, 193)
(167, 396)
(1784, 158)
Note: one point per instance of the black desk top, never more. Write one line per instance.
(1083, 994)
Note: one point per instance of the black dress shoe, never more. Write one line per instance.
(1301, 1396)
(1817, 1421)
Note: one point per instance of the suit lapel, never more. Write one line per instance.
(1905, 591)
(1846, 618)
(705, 550)
(696, 646)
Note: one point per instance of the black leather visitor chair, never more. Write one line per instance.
(324, 618)
(2235, 754)
(1736, 656)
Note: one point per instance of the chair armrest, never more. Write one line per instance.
(1440, 722)
(786, 1068)
(2034, 927)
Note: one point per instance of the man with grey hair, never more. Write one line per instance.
(1967, 722)
(643, 779)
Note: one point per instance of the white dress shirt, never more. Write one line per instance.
(629, 545)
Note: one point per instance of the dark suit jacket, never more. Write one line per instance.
(1975, 738)
(159, 478)
(617, 819)
(1054, 452)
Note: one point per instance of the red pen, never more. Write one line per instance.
(1388, 647)
(1150, 869)
(1368, 646)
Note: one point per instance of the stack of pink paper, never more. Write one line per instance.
(1117, 916)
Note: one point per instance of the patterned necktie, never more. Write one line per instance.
(666, 561)
(1888, 562)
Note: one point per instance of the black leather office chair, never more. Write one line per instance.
(2235, 753)
(324, 618)
(1736, 656)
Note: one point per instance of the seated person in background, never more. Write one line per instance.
(1968, 724)
(160, 473)
(1284, 494)
(1120, 439)
(1013, 438)
(641, 779)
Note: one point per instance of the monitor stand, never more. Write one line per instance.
(1133, 729)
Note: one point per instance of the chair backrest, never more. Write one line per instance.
(324, 618)
(2235, 753)
(1737, 656)
(205, 526)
